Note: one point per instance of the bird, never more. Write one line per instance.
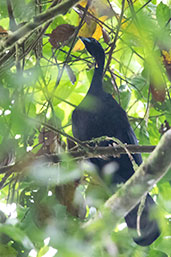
(99, 114)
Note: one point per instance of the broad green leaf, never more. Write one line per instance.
(43, 251)
(7, 251)
(16, 234)
(164, 197)
(125, 96)
(163, 243)
(163, 14)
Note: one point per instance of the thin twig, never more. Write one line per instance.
(72, 45)
(113, 45)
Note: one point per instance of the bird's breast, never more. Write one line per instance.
(85, 124)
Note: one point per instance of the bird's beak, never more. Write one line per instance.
(81, 38)
(84, 39)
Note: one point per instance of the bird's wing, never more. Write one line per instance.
(121, 127)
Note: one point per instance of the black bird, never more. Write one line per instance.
(100, 115)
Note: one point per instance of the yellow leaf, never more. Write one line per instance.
(130, 28)
(89, 30)
(166, 56)
(98, 32)
(101, 9)
(78, 46)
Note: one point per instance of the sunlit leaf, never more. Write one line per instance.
(163, 13)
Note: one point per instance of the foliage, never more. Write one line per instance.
(39, 88)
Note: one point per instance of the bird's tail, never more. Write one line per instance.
(149, 229)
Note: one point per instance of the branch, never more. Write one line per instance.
(7, 60)
(146, 176)
(36, 22)
(86, 153)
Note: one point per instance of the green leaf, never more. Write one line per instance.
(164, 197)
(163, 14)
(4, 97)
(167, 177)
(154, 253)
(3, 9)
(17, 235)
(125, 96)
(141, 91)
(163, 244)
(7, 251)
(43, 251)
(143, 134)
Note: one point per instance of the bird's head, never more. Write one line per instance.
(95, 49)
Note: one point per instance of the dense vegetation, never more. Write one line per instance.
(44, 73)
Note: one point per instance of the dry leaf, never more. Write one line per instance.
(157, 84)
(157, 80)
(49, 141)
(166, 57)
(3, 32)
(69, 196)
(158, 93)
(61, 34)
(70, 73)
(164, 127)
(105, 36)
